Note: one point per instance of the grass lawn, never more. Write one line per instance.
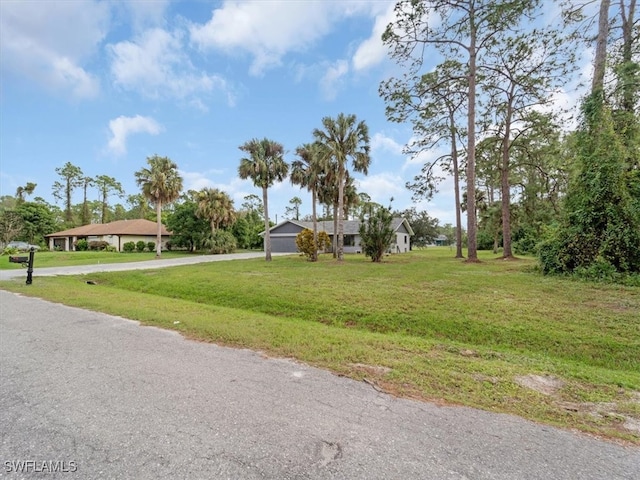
(493, 335)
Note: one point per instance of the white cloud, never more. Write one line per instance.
(122, 127)
(381, 187)
(156, 65)
(380, 142)
(47, 42)
(266, 30)
(372, 51)
(269, 30)
(332, 79)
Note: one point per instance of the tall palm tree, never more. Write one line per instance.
(160, 184)
(265, 165)
(215, 206)
(307, 171)
(345, 139)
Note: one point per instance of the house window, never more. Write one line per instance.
(349, 241)
(405, 239)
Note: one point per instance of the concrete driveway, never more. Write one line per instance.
(119, 267)
(113, 400)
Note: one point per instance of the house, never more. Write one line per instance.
(441, 240)
(283, 235)
(115, 233)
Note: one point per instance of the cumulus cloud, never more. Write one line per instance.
(381, 187)
(372, 51)
(267, 31)
(36, 42)
(122, 127)
(381, 142)
(156, 66)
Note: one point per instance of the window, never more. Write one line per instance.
(405, 239)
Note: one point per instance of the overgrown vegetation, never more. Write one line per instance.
(420, 324)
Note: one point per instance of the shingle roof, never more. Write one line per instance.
(120, 227)
(351, 227)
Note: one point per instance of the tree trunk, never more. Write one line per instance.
(314, 257)
(600, 60)
(456, 186)
(334, 240)
(472, 248)
(159, 234)
(505, 187)
(267, 235)
(340, 213)
(628, 88)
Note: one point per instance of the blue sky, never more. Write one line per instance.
(104, 84)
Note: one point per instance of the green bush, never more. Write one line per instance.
(82, 245)
(98, 245)
(376, 233)
(222, 242)
(151, 246)
(9, 251)
(304, 242)
(111, 248)
(140, 246)
(129, 247)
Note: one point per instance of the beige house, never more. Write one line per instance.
(115, 233)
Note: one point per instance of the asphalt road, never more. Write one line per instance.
(114, 400)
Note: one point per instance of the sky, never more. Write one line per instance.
(106, 84)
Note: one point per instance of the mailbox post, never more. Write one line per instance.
(26, 262)
(32, 254)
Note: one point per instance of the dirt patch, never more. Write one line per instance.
(547, 385)
(371, 369)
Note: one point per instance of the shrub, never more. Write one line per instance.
(129, 247)
(304, 242)
(98, 245)
(376, 233)
(82, 245)
(9, 251)
(111, 248)
(222, 242)
(151, 246)
(140, 246)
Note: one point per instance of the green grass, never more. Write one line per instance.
(63, 259)
(443, 329)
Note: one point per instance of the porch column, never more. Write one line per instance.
(51, 243)
(66, 244)
(73, 245)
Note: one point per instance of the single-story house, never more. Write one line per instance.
(115, 233)
(441, 240)
(283, 235)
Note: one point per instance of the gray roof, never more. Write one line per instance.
(351, 227)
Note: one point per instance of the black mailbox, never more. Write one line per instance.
(16, 259)
(26, 262)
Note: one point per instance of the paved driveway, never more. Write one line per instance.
(114, 400)
(118, 267)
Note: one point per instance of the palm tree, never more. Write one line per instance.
(307, 172)
(265, 165)
(215, 206)
(160, 184)
(343, 138)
